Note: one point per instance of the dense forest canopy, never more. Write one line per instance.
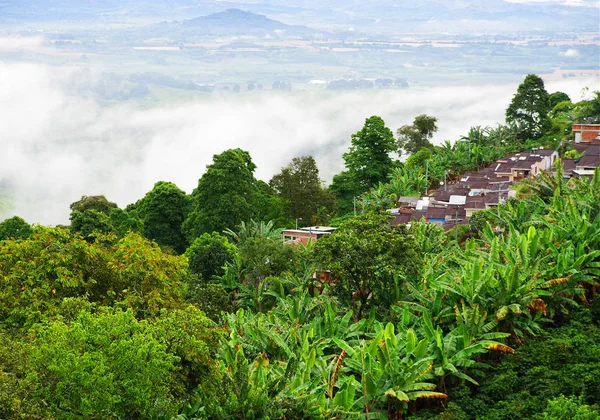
(191, 306)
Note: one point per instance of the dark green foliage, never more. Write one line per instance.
(556, 98)
(208, 254)
(368, 161)
(412, 138)
(212, 299)
(300, 186)
(264, 256)
(268, 205)
(163, 211)
(370, 260)
(90, 222)
(344, 187)
(14, 228)
(566, 361)
(226, 194)
(529, 108)
(93, 202)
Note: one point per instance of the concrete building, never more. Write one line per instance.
(306, 234)
(585, 133)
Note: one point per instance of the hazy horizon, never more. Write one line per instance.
(59, 146)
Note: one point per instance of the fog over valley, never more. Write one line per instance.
(58, 145)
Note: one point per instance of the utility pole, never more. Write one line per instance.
(426, 176)
(354, 198)
(298, 218)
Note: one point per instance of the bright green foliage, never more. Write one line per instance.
(143, 277)
(108, 365)
(208, 254)
(37, 273)
(14, 228)
(253, 230)
(569, 408)
(300, 186)
(124, 221)
(419, 158)
(369, 259)
(412, 138)
(368, 161)
(225, 196)
(162, 212)
(529, 108)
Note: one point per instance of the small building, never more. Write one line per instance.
(473, 204)
(585, 133)
(306, 234)
(587, 165)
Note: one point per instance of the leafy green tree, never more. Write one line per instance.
(368, 160)
(93, 202)
(89, 222)
(344, 187)
(587, 111)
(557, 97)
(208, 254)
(369, 260)
(110, 364)
(14, 228)
(529, 108)
(163, 211)
(124, 221)
(102, 366)
(38, 272)
(299, 184)
(412, 138)
(226, 194)
(263, 256)
(268, 205)
(420, 158)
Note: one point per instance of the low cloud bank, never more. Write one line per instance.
(56, 147)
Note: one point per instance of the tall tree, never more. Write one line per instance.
(163, 211)
(529, 108)
(299, 184)
(414, 137)
(90, 215)
(224, 196)
(368, 160)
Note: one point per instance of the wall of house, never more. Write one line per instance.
(585, 132)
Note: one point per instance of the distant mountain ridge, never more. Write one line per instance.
(238, 22)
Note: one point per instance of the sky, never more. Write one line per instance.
(57, 147)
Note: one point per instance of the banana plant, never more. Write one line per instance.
(387, 372)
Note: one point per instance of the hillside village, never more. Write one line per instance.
(455, 203)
